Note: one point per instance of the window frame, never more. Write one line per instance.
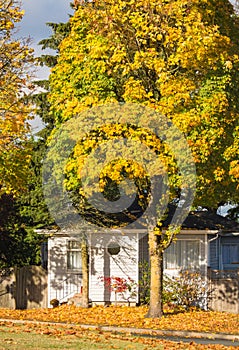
(179, 266)
(70, 251)
(232, 264)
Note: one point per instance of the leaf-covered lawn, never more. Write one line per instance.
(38, 336)
(211, 322)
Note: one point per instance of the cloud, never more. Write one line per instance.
(38, 13)
(33, 24)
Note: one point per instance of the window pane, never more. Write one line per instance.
(183, 254)
(192, 254)
(73, 260)
(230, 253)
(73, 255)
(73, 245)
(170, 257)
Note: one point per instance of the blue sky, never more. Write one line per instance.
(37, 14)
(33, 25)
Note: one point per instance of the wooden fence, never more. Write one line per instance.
(26, 288)
(23, 288)
(223, 293)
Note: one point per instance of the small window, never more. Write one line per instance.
(113, 248)
(230, 256)
(74, 256)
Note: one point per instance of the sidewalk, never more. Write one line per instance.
(173, 335)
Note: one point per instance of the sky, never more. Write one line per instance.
(33, 25)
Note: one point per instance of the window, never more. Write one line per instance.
(183, 254)
(230, 255)
(74, 256)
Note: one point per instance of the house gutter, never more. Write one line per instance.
(214, 238)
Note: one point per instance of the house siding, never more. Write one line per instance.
(62, 283)
(133, 250)
(213, 252)
(123, 265)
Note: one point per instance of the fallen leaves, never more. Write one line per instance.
(124, 316)
(100, 338)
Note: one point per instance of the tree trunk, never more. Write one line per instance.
(85, 273)
(156, 281)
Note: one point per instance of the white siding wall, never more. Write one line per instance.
(133, 247)
(61, 283)
(124, 264)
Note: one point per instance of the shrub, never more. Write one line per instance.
(124, 287)
(188, 289)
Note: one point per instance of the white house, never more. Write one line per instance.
(206, 240)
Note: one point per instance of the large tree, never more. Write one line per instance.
(16, 60)
(19, 246)
(179, 58)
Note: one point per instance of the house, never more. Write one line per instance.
(206, 240)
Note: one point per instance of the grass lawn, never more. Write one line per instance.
(90, 340)
(38, 336)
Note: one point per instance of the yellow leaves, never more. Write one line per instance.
(125, 316)
(16, 57)
(177, 57)
(173, 36)
(118, 55)
(228, 65)
(134, 91)
(177, 87)
(157, 231)
(234, 171)
(219, 174)
(10, 14)
(98, 47)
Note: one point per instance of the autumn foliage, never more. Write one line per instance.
(202, 321)
(177, 57)
(15, 61)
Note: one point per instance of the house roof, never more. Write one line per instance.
(205, 220)
(196, 220)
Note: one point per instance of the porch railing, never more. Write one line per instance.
(66, 288)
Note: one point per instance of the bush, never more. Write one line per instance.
(186, 290)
